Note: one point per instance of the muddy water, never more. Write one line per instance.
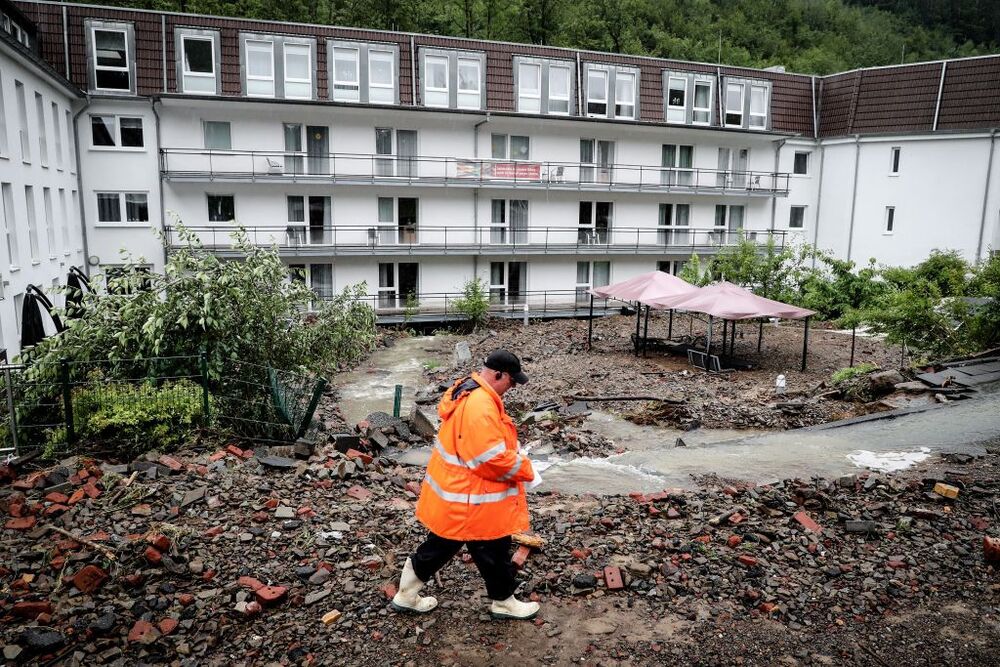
(652, 461)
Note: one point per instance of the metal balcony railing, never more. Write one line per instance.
(408, 239)
(359, 168)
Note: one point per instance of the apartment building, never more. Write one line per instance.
(416, 162)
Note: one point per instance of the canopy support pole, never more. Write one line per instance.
(590, 324)
(708, 345)
(670, 326)
(805, 344)
(638, 322)
(645, 332)
(854, 338)
(732, 341)
(725, 335)
(760, 335)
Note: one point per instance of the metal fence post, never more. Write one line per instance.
(67, 391)
(203, 363)
(11, 412)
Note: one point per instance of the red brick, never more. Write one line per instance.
(896, 564)
(217, 457)
(55, 510)
(142, 509)
(91, 490)
(580, 554)
(260, 517)
(214, 531)
(251, 583)
(613, 578)
(767, 607)
(235, 451)
(171, 463)
(56, 497)
(806, 522)
(271, 503)
(23, 523)
(267, 595)
(167, 626)
(521, 556)
(704, 539)
(133, 580)
(389, 590)
(247, 454)
(747, 560)
(208, 575)
(153, 557)
(186, 599)
(355, 454)
(413, 487)
(991, 548)
(31, 609)
(734, 541)
(737, 518)
(89, 579)
(359, 493)
(77, 496)
(144, 632)
(160, 541)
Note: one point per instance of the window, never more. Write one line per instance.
(3, 125)
(509, 221)
(890, 219)
(381, 77)
(734, 105)
(22, 117)
(64, 216)
(218, 135)
(111, 204)
(43, 140)
(796, 217)
(677, 162)
(894, 160)
(198, 63)
(57, 131)
(508, 281)
(732, 168)
(436, 81)
(298, 71)
(625, 95)
(594, 223)
(469, 83)
(260, 68)
(677, 99)
(346, 77)
(801, 164)
(321, 280)
(728, 223)
(597, 92)
(50, 230)
(596, 161)
(513, 147)
(758, 107)
(317, 210)
(702, 104)
(590, 275)
(673, 267)
(71, 143)
(673, 216)
(111, 58)
(559, 89)
(10, 231)
(529, 88)
(397, 283)
(29, 202)
(116, 131)
(221, 208)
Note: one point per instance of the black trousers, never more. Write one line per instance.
(492, 557)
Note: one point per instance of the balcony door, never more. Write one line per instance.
(597, 160)
(320, 231)
(588, 275)
(318, 149)
(399, 162)
(508, 282)
(677, 162)
(673, 223)
(509, 221)
(595, 223)
(733, 163)
(398, 220)
(397, 282)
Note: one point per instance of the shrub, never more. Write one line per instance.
(474, 302)
(852, 372)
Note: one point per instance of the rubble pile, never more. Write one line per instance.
(250, 557)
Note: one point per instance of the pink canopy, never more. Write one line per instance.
(732, 302)
(655, 286)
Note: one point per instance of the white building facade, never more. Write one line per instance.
(414, 163)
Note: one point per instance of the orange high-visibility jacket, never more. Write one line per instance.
(474, 487)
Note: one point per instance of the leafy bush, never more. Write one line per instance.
(851, 372)
(474, 302)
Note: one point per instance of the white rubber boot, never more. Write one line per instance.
(407, 599)
(513, 608)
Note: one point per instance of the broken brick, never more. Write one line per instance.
(747, 560)
(23, 523)
(359, 493)
(734, 541)
(167, 626)
(218, 456)
(521, 556)
(355, 454)
(91, 490)
(389, 590)
(613, 578)
(235, 451)
(991, 548)
(267, 595)
(31, 609)
(171, 462)
(77, 496)
(251, 583)
(580, 554)
(186, 599)
(153, 557)
(806, 522)
(143, 632)
(89, 579)
(159, 541)
(56, 497)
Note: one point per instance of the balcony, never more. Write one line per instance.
(412, 240)
(197, 165)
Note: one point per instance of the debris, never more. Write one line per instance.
(946, 490)
(331, 617)
(533, 541)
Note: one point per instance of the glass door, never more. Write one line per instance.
(407, 209)
(318, 149)
(406, 145)
(519, 220)
(383, 146)
(498, 221)
(293, 149)
(320, 231)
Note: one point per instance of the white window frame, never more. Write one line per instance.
(9, 221)
(620, 77)
(760, 115)
(466, 92)
(375, 53)
(43, 138)
(258, 46)
(4, 147)
(568, 98)
(733, 85)
(808, 159)
(297, 81)
(57, 131)
(895, 156)
(591, 99)
(50, 228)
(117, 133)
(889, 226)
(204, 133)
(529, 101)
(791, 216)
(32, 220)
(437, 60)
(670, 231)
(208, 210)
(122, 208)
(94, 29)
(186, 73)
(345, 90)
(674, 108)
(694, 98)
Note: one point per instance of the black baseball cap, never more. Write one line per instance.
(506, 362)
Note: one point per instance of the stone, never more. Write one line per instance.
(884, 382)
(598, 626)
(269, 595)
(613, 578)
(159, 541)
(807, 522)
(853, 526)
(193, 496)
(316, 596)
(153, 557)
(171, 462)
(284, 512)
(22, 523)
(12, 652)
(359, 493)
(422, 423)
(991, 549)
(251, 583)
(143, 632)
(167, 626)
(946, 490)
(41, 640)
(331, 617)
(31, 609)
(463, 354)
(277, 462)
(584, 581)
(104, 623)
(89, 579)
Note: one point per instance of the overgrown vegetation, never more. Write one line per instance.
(852, 372)
(809, 36)
(474, 302)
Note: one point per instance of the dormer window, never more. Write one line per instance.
(543, 86)
(364, 73)
(276, 66)
(747, 103)
(346, 74)
(298, 71)
(452, 79)
(198, 66)
(111, 55)
(612, 91)
(687, 98)
(260, 68)
(734, 105)
(597, 93)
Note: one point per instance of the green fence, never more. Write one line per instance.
(60, 406)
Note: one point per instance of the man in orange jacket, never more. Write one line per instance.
(473, 493)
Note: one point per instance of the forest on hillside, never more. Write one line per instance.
(807, 36)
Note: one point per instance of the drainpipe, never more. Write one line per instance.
(819, 201)
(854, 194)
(774, 194)
(413, 72)
(79, 189)
(475, 192)
(986, 195)
(159, 181)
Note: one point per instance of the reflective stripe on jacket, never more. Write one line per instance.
(473, 489)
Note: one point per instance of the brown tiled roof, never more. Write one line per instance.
(878, 100)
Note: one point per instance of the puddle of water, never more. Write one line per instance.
(371, 388)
